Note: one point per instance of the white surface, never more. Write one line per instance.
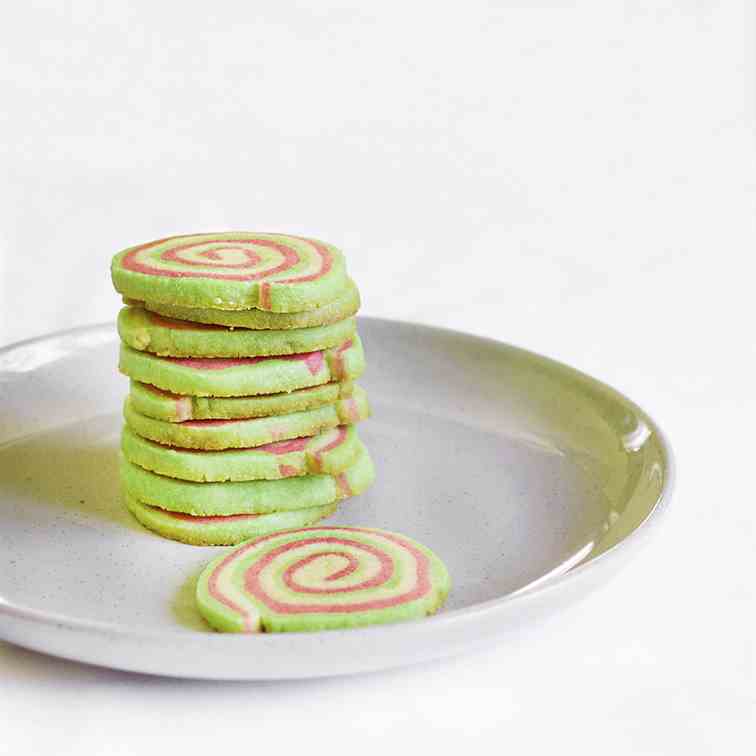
(594, 159)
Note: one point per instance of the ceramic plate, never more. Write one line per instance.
(531, 481)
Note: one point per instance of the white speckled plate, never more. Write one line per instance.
(530, 480)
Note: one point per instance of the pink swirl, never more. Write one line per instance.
(383, 550)
(313, 360)
(222, 261)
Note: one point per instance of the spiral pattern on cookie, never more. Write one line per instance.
(233, 257)
(354, 575)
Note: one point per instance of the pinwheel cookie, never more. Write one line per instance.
(146, 331)
(321, 578)
(331, 451)
(175, 408)
(244, 376)
(240, 433)
(246, 497)
(222, 530)
(344, 306)
(232, 271)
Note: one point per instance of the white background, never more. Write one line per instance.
(577, 178)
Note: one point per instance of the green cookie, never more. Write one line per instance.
(247, 497)
(154, 402)
(234, 270)
(331, 452)
(248, 432)
(321, 578)
(220, 530)
(244, 376)
(153, 333)
(344, 307)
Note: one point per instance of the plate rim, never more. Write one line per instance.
(546, 584)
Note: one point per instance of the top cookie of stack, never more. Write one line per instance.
(236, 344)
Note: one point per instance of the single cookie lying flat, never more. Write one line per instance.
(244, 376)
(321, 579)
(331, 451)
(247, 497)
(175, 408)
(222, 530)
(346, 305)
(153, 333)
(243, 433)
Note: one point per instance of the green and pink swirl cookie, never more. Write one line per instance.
(175, 408)
(246, 497)
(345, 306)
(331, 451)
(153, 333)
(245, 376)
(222, 530)
(321, 578)
(247, 432)
(233, 271)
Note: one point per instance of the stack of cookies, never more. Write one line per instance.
(242, 351)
